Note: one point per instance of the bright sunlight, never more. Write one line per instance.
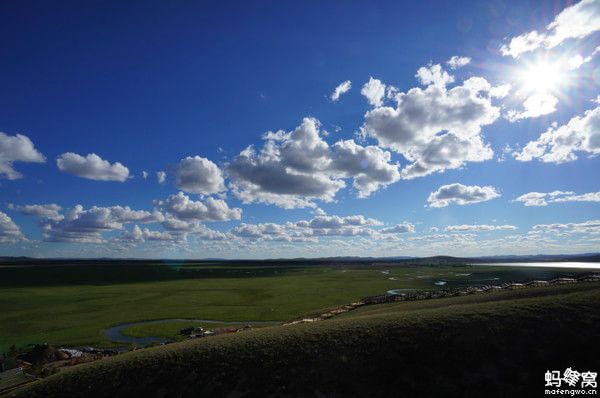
(542, 77)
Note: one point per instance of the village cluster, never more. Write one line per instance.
(199, 332)
(438, 293)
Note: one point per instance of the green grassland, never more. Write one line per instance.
(490, 344)
(72, 304)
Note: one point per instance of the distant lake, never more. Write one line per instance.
(546, 264)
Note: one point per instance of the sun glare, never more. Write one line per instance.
(542, 77)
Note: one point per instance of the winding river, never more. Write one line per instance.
(115, 333)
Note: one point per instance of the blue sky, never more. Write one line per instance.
(467, 129)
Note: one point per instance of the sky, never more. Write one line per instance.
(299, 129)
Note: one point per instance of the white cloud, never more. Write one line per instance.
(374, 91)
(319, 212)
(559, 144)
(461, 195)
(586, 197)
(590, 226)
(273, 232)
(199, 175)
(575, 61)
(50, 210)
(308, 230)
(543, 198)
(287, 171)
(182, 207)
(522, 44)
(144, 174)
(454, 238)
(294, 169)
(435, 128)
(86, 226)
(137, 235)
(500, 91)
(161, 177)
(9, 231)
(479, 228)
(435, 75)
(369, 166)
(336, 222)
(533, 199)
(456, 62)
(399, 229)
(575, 22)
(17, 148)
(342, 88)
(535, 105)
(92, 167)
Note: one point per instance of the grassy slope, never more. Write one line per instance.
(481, 345)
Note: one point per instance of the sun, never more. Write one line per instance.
(541, 77)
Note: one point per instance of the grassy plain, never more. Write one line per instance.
(73, 303)
(491, 344)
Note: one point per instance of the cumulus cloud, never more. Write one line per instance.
(199, 175)
(319, 212)
(161, 177)
(500, 91)
(560, 144)
(293, 169)
(50, 210)
(178, 215)
(456, 62)
(576, 61)
(86, 226)
(183, 208)
(336, 222)
(543, 198)
(258, 178)
(435, 128)
(399, 229)
(373, 91)
(308, 230)
(535, 105)
(370, 166)
(17, 148)
(575, 22)
(92, 167)
(144, 174)
(272, 232)
(461, 195)
(9, 231)
(586, 197)
(479, 228)
(590, 226)
(454, 238)
(342, 88)
(434, 74)
(138, 235)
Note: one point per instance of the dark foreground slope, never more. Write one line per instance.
(494, 344)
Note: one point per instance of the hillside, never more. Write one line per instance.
(491, 344)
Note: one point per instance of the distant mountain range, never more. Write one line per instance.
(582, 257)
